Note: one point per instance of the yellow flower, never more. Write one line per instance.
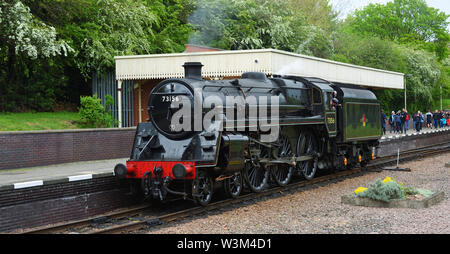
(387, 179)
(360, 189)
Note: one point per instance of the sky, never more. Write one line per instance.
(347, 6)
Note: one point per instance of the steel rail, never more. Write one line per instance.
(79, 223)
(155, 220)
(136, 225)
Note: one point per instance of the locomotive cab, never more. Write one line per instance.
(321, 94)
(324, 92)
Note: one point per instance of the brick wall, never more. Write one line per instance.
(391, 147)
(40, 148)
(51, 211)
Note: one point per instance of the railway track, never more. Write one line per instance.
(141, 217)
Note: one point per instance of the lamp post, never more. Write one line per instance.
(404, 87)
(119, 102)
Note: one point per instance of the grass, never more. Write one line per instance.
(39, 121)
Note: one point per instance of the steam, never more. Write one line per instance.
(291, 68)
(209, 21)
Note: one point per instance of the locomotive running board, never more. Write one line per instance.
(291, 161)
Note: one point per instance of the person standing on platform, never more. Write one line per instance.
(383, 122)
(443, 120)
(436, 119)
(398, 122)
(429, 118)
(392, 122)
(403, 121)
(407, 118)
(419, 120)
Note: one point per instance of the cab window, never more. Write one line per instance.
(317, 98)
(327, 98)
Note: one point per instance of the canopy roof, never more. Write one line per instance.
(270, 61)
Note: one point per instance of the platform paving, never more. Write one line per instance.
(35, 176)
(411, 132)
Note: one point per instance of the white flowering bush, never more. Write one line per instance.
(424, 75)
(28, 35)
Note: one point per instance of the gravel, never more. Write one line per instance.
(319, 210)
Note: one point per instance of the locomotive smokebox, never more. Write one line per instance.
(193, 70)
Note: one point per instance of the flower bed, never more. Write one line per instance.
(390, 193)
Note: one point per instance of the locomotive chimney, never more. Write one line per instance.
(193, 70)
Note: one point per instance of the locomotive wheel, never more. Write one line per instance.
(256, 174)
(203, 187)
(282, 174)
(233, 186)
(307, 145)
(256, 177)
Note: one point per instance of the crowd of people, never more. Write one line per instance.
(399, 122)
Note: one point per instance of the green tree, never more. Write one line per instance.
(372, 52)
(29, 49)
(253, 24)
(108, 28)
(49, 49)
(424, 73)
(410, 22)
(318, 13)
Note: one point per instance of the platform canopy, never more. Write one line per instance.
(233, 63)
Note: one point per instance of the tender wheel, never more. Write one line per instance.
(202, 189)
(233, 186)
(282, 174)
(307, 145)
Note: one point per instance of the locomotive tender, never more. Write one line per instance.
(313, 134)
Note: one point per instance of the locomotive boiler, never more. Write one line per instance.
(258, 130)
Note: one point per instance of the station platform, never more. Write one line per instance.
(411, 132)
(67, 172)
(83, 170)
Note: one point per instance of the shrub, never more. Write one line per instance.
(383, 191)
(93, 114)
(410, 190)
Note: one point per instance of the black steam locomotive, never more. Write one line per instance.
(318, 125)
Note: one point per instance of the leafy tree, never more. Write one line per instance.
(50, 48)
(396, 36)
(28, 49)
(108, 28)
(252, 24)
(409, 22)
(424, 73)
(23, 34)
(371, 52)
(318, 13)
(171, 29)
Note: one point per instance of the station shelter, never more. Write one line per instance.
(135, 76)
